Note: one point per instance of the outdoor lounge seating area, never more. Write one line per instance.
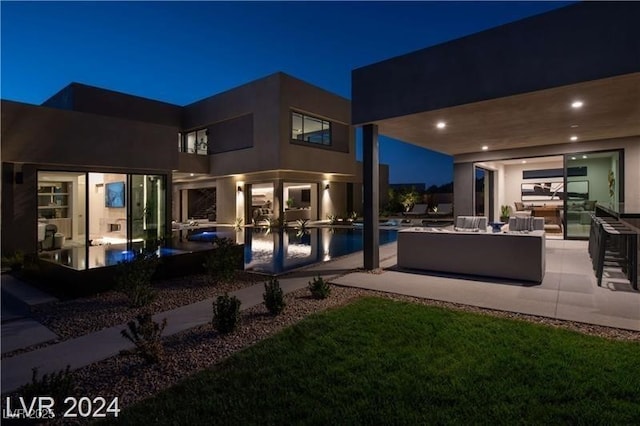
(510, 255)
(517, 252)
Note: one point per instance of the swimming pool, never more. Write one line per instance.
(275, 252)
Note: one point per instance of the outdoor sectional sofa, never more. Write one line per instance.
(517, 255)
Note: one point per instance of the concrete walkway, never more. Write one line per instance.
(569, 291)
(19, 330)
(94, 347)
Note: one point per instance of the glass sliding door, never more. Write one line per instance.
(61, 205)
(148, 208)
(484, 193)
(591, 178)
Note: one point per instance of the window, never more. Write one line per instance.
(195, 142)
(310, 129)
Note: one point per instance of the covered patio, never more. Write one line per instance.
(530, 89)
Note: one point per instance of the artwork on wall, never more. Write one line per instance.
(114, 195)
(542, 191)
(578, 190)
(554, 173)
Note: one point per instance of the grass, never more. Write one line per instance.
(379, 361)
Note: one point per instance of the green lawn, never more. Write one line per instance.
(379, 361)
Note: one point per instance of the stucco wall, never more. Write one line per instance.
(75, 138)
(95, 100)
(257, 101)
(302, 97)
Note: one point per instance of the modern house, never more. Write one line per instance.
(540, 114)
(103, 166)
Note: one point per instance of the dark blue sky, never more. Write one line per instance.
(181, 52)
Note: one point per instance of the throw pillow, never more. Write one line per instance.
(524, 224)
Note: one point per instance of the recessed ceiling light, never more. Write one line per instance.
(441, 125)
(573, 158)
(573, 138)
(573, 126)
(577, 104)
(584, 156)
(191, 174)
(484, 147)
(524, 161)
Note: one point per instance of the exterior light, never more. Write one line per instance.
(573, 158)
(524, 161)
(573, 138)
(326, 186)
(577, 104)
(191, 174)
(441, 125)
(485, 147)
(584, 156)
(239, 188)
(573, 126)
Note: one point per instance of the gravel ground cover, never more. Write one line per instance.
(76, 317)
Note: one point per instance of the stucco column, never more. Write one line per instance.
(371, 197)
(464, 186)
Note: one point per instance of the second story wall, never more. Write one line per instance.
(242, 127)
(35, 134)
(95, 100)
(303, 99)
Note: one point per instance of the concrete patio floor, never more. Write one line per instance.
(569, 290)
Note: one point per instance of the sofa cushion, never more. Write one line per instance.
(526, 223)
(469, 223)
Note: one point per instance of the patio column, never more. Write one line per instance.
(370, 197)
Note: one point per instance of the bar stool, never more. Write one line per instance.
(616, 243)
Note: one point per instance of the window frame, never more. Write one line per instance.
(326, 139)
(183, 145)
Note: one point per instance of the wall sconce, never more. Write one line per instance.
(326, 186)
(239, 188)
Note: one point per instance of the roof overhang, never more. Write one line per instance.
(611, 110)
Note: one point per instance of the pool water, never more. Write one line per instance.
(275, 252)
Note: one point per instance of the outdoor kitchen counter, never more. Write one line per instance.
(510, 255)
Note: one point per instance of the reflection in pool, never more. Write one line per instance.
(271, 252)
(283, 251)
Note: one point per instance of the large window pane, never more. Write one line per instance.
(296, 126)
(148, 198)
(202, 142)
(310, 129)
(191, 143)
(597, 184)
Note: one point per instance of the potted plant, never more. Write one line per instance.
(290, 203)
(505, 212)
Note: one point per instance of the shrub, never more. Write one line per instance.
(273, 296)
(15, 261)
(56, 385)
(145, 333)
(220, 265)
(319, 288)
(226, 313)
(133, 278)
(237, 223)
